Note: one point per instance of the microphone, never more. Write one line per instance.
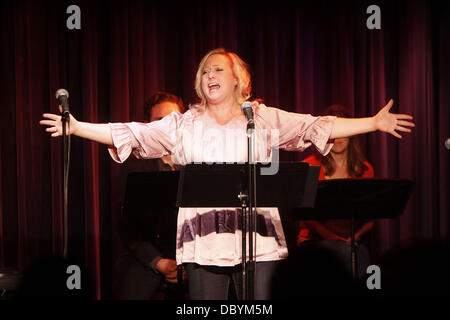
(62, 95)
(447, 143)
(247, 109)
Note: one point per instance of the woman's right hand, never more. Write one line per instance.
(55, 124)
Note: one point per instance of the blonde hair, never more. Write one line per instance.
(240, 71)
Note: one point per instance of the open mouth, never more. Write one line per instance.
(213, 86)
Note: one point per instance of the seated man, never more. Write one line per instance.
(149, 262)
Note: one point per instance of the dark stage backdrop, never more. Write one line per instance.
(303, 57)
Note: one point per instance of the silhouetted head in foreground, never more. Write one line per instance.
(420, 270)
(312, 271)
(54, 278)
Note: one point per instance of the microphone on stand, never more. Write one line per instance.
(247, 109)
(63, 95)
(250, 265)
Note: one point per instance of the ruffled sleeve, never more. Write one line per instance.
(144, 140)
(295, 131)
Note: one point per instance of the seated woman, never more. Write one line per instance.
(344, 161)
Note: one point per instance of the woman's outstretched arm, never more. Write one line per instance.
(383, 121)
(98, 132)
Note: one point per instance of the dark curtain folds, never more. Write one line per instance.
(303, 57)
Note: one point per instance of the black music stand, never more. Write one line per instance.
(226, 185)
(146, 191)
(153, 193)
(358, 199)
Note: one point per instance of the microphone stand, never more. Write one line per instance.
(250, 265)
(65, 119)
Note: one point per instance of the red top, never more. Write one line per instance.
(339, 227)
(313, 161)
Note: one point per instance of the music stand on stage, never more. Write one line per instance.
(146, 191)
(226, 185)
(149, 195)
(358, 199)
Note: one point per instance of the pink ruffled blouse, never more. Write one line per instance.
(212, 236)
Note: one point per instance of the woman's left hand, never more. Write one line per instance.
(391, 122)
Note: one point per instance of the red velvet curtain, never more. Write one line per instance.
(303, 57)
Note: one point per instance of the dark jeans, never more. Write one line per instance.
(213, 283)
(342, 250)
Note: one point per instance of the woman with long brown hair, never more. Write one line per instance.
(345, 161)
